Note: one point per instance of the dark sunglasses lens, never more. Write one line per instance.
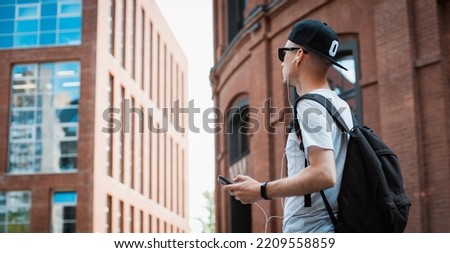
(281, 54)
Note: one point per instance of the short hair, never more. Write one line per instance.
(320, 64)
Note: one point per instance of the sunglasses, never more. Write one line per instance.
(282, 52)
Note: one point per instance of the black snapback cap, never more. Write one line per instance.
(317, 37)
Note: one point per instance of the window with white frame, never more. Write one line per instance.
(43, 132)
(15, 211)
(64, 206)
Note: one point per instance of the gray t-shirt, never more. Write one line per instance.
(318, 129)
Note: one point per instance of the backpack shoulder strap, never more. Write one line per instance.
(298, 131)
(340, 123)
(325, 102)
(295, 121)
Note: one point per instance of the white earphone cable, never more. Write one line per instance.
(281, 166)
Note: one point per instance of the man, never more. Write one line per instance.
(306, 58)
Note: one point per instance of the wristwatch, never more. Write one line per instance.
(264, 191)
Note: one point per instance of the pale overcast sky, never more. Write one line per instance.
(191, 23)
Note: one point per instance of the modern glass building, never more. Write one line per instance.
(69, 71)
(28, 23)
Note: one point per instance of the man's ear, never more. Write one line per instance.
(298, 57)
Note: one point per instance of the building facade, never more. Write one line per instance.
(397, 53)
(87, 144)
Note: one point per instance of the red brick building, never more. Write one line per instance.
(398, 55)
(74, 155)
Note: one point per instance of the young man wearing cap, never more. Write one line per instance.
(306, 57)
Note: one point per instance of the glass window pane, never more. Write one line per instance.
(68, 147)
(24, 70)
(18, 151)
(27, 1)
(70, 9)
(67, 84)
(22, 166)
(2, 201)
(68, 163)
(27, 26)
(61, 132)
(18, 197)
(69, 228)
(67, 115)
(23, 101)
(38, 133)
(18, 228)
(27, 86)
(2, 228)
(69, 23)
(64, 197)
(68, 98)
(47, 39)
(70, 131)
(22, 118)
(67, 69)
(340, 80)
(35, 90)
(69, 213)
(21, 158)
(27, 11)
(39, 116)
(21, 133)
(18, 215)
(26, 40)
(7, 12)
(6, 2)
(48, 24)
(6, 41)
(49, 10)
(69, 38)
(6, 27)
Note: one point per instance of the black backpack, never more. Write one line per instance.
(372, 197)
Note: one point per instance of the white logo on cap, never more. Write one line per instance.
(333, 48)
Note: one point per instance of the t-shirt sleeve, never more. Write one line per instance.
(316, 125)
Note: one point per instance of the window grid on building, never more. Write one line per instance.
(15, 211)
(64, 206)
(132, 170)
(142, 149)
(40, 24)
(124, 33)
(131, 219)
(109, 214)
(112, 27)
(109, 140)
(44, 96)
(133, 41)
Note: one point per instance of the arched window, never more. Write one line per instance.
(237, 131)
(238, 148)
(346, 83)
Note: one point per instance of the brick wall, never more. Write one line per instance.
(404, 57)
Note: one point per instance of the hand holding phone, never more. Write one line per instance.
(223, 180)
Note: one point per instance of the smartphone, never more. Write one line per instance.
(223, 180)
